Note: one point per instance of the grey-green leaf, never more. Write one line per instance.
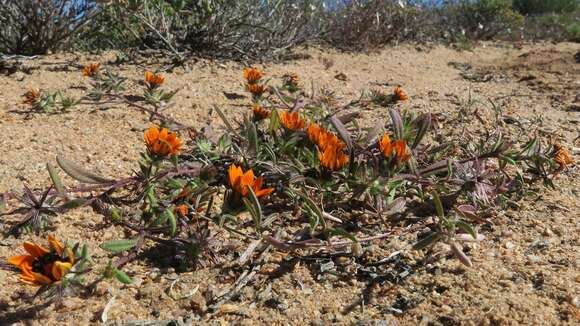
(55, 179)
(80, 173)
(117, 246)
(122, 276)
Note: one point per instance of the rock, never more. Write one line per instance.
(19, 76)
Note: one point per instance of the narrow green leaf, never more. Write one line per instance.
(122, 276)
(74, 203)
(117, 246)
(55, 179)
(172, 221)
(424, 126)
(79, 173)
(427, 241)
(84, 252)
(274, 121)
(467, 228)
(252, 137)
(342, 131)
(438, 204)
(259, 217)
(397, 123)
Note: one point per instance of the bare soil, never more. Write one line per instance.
(525, 272)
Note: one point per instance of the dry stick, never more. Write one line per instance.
(244, 279)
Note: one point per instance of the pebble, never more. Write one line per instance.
(534, 259)
(509, 245)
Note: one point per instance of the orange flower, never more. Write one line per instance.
(562, 157)
(240, 181)
(333, 158)
(182, 209)
(291, 120)
(399, 147)
(260, 113)
(91, 69)
(153, 80)
(323, 138)
(42, 266)
(162, 142)
(31, 96)
(399, 94)
(256, 89)
(253, 75)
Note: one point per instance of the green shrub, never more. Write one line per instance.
(534, 7)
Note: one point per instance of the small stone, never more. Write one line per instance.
(19, 76)
(534, 259)
(509, 245)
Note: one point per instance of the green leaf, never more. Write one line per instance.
(467, 228)
(438, 204)
(55, 179)
(79, 173)
(397, 123)
(342, 131)
(122, 276)
(172, 221)
(253, 205)
(427, 241)
(84, 252)
(117, 246)
(74, 203)
(274, 121)
(252, 137)
(424, 126)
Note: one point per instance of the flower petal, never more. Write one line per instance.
(35, 250)
(59, 269)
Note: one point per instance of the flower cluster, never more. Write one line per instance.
(332, 156)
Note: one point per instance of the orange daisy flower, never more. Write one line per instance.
(399, 94)
(42, 266)
(291, 120)
(562, 157)
(256, 89)
(260, 113)
(323, 138)
(31, 96)
(253, 75)
(162, 142)
(153, 80)
(182, 209)
(398, 147)
(240, 181)
(91, 69)
(333, 158)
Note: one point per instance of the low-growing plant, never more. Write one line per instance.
(294, 173)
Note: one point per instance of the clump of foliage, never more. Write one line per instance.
(294, 174)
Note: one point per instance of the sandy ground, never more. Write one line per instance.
(526, 272)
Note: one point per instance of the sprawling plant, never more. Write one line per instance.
(294, 174)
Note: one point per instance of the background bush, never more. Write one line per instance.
(38, 26)
(258, 29)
